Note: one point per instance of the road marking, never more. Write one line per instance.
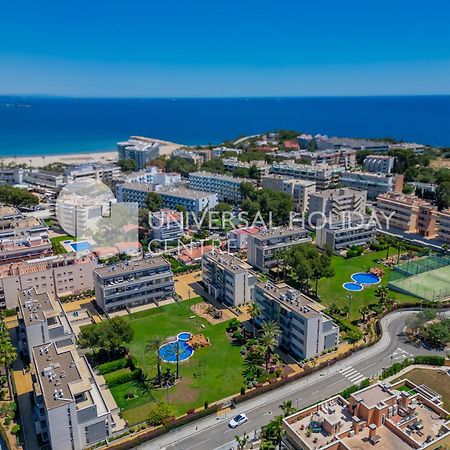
(347, 369)
(352, 374)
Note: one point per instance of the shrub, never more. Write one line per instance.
(159, 413)
(115, 379)
(242, 390)
(15, 429)
(112, 366)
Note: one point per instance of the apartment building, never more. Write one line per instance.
(193, 200)
(41, 319)
(237, 239)
(227, 278)
(407, 213)
(44, 180)
(262, 246)
(343, 231)
(444, 225)
(133, 283)
(13, 175)
(379, 163)
(70, 410)
(298, 190)
(323, 175)
(336, 202)
(58, 276)
(167, 225)
(228, 188)
(14, 224)
(233, 163)
(401, 416)
(305, 330)
(139, 149)
(344, 157)
(105, 172)
(374, 183)
(190, 156)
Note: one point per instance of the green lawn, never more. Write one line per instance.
(58, 248)
(212, 372)
(331, 290)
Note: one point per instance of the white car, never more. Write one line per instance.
(238, 420)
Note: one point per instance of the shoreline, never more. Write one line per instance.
(95, 156)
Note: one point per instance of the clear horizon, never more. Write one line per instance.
(201, 50)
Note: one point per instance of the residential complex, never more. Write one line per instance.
(323, 175)
(71, 412)
(340, 232)
(305, 330)
(402, 416)
(379, 163)
(323, 142)
(193, 200)
(444, 225)
(298, 190)
(58, 276)
(227, 278)
(344, 157)
(237, 239)
(167, 225)
(374, 183)
(336, 202)
(139, 149)
(133, 283)
(228, 188)
(407, 213)
(262, 246)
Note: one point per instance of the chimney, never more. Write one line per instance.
(356, 424)
(372, 430)
(404, 401)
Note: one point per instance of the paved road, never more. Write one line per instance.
(213, 433)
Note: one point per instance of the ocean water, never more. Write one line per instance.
(44, 126)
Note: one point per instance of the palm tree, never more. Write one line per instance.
(364, 310)
(382, 293)
(242, 441)
(254, 310)
(269, 339)
(280, 256)
(153, 345)
(287, 408)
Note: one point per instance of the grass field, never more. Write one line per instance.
(212, 373)
(435, 379)
(331, 290)
(432, 285)
(57, 247)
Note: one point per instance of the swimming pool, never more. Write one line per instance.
(352, 287)
(80, 246)
(168, 352)
(365, 278)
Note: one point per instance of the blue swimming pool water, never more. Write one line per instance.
(80, 246)
(168, 352)
(185, 336)
(352, 286)
(365, 278)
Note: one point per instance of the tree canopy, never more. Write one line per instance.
(17, 196)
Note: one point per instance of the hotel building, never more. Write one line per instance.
(305, 330)
(402, 416)
(407, 213)
(133, 283)
(374, 183)
(344, 231)
(379, 163)
(336, 202)
(228, 188)
(262, 246)
(139, 149)
(323, 175)
(227, 278)
(57, 275)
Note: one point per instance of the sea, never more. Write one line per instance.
(53, 125)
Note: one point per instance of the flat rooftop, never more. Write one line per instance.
(228, 261)
(179, 191)
(36, 307)
(219, 176)
(278, 232)
(129, 267)
(373, 395)
(291, 299)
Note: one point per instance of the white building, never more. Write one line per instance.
(139, 149)
(379, 163)
(227, 278)
(374, 183)
(228, 188)
(305, 330)
(167, 225)
(262, 246)
(343, 232)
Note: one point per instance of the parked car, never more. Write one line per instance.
(238, 420)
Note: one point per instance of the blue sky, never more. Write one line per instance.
(224, 48)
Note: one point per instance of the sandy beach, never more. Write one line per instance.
(78, 158)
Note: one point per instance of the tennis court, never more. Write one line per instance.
(430, 285)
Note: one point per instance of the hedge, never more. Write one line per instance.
(114, 379)
(112, 366)
(430, 360)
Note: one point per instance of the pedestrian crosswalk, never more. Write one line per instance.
(352, 374)
(401, 354)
